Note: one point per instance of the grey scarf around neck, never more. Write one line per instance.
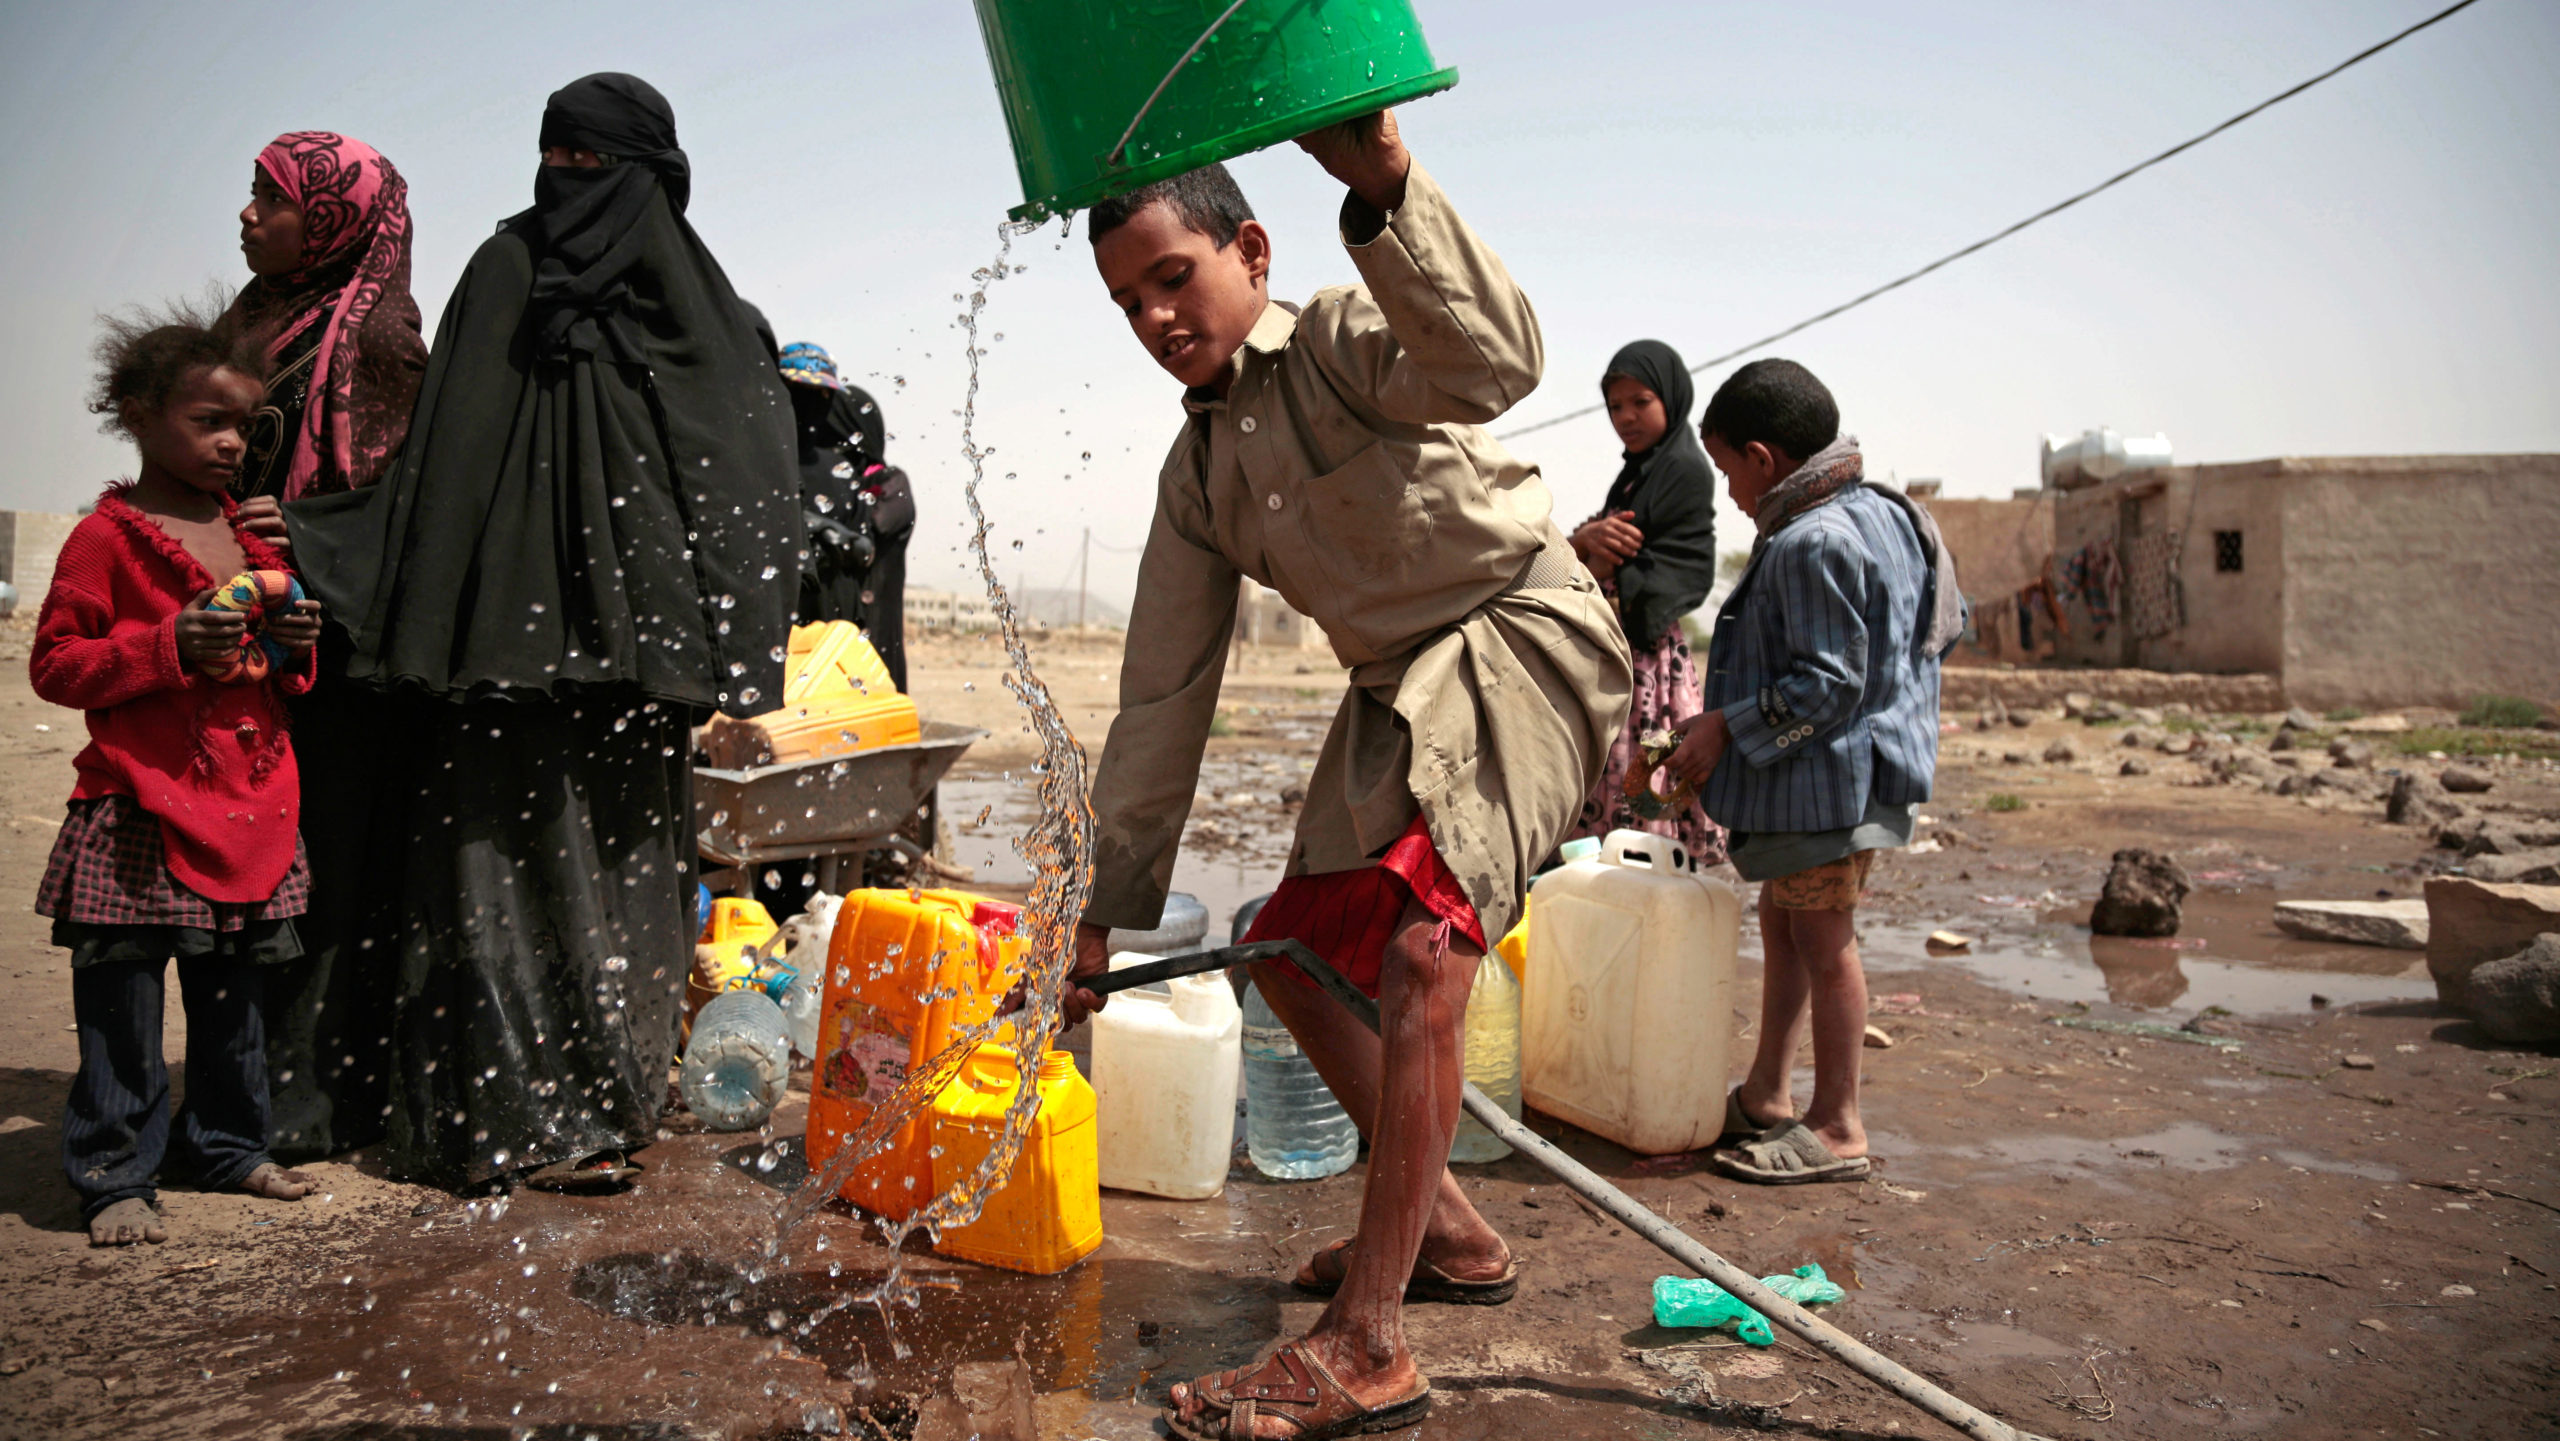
(1833, 469)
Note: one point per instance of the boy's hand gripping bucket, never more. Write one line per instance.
(1103, 96)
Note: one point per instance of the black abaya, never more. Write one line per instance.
(588, 544)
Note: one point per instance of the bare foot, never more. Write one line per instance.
(278, 1184)
(127, 1223)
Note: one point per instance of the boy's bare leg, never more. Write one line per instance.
(1423, 1011)
(1768, 1094)
(1348, 1056)
(1825, 944)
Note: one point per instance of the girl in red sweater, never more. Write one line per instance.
(182, 838)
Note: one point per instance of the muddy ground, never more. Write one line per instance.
(2092, 1234)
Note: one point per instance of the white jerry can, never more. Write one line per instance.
(1626, 1012)
(1165, 1064)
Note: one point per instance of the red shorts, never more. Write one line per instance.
(1348, 917)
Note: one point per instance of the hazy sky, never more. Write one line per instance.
(2367, 269)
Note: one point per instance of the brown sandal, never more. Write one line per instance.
(1429, 1283)
(1296, 1387)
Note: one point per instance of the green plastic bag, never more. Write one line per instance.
(1692, 1301)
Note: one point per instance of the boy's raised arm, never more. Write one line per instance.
(1442, 336)
(1180, 626)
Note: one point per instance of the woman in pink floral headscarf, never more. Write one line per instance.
(326, 235)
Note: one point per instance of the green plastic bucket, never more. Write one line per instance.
(1076, 74)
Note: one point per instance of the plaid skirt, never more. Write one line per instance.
(110, 868)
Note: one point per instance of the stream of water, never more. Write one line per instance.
(1058, 849)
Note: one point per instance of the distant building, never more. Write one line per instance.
(29, 542)
(2001, 548)
(2355, 581)
(1263, 618)
(948, 610)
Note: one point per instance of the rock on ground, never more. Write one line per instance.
(2354, 755)
(2470, 923)
(2399, 925)
(2532, 868)
(2143, 895)
(2418, 801)
(2061, 753)
(2465, 780)
(2298, 719)
(2517, 999)
(2137, 737)
(2134, 766)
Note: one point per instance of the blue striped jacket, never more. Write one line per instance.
(1818, 666)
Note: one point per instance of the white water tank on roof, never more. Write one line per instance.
(2100, 455)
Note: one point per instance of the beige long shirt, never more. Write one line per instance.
(1345, 469)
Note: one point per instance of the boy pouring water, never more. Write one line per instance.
(1333, 454)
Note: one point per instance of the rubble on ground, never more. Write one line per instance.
(2143, 895)
(2516, 999)
(2471, 923)
(2398, 925)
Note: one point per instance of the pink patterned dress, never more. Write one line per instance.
(1667, 691)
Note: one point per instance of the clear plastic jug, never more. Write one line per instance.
(1492, 1057)
(1164, 1079)
(1293, 1127)
(737, 1062)
(1627, 1009)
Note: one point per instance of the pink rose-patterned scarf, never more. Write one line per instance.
(354, 284)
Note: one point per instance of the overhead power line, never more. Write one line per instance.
(2047, 213)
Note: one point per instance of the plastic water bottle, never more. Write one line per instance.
(1293, 1127)
(800, 1009)
(1492, 1057)
(738, 1061)
(1184, 926)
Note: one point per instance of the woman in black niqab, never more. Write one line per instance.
(588, 545)
(1653, 547)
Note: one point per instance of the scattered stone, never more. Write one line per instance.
(2076, 704)
(2298, 719)
(2139, 737)
(2350, 754)
(1949, 942)
(2147, 715)
(2508, 838)
(2532, 868)
(2464, 780)
(2353, 784)
(2134, 766)
(2372, 1324)
(2061, 753)
(1877, 1040)
(1293, 795)
(2244, 765)
(1987, 719)
(2472, 922)
(2280, 741)
(2398, 925)
(2355, 1061)
(2143, 895)
(2377, 725)
(2099, 713)
(2021, 719)
(2517, 1000)
(2013, 758)
(2176, 743)
(2457, 1291)
(2418, 801)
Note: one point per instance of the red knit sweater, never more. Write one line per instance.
(212, 761)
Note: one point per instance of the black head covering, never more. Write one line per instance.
(599, 486)
(1672, 490)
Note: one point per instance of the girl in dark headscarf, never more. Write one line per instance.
(588, 545)
(326, 236)
(1653, 547)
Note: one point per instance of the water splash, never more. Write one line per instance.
(1059, 848)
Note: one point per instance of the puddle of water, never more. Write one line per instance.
(2181, 1146)
(1223, 876)
(2066, 963)
(1111, 1328)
